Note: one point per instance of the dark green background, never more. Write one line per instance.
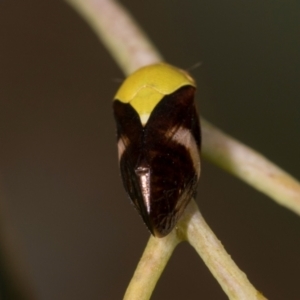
(61, 192)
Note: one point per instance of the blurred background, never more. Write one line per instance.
(65, 217)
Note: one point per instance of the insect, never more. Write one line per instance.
(159, 140)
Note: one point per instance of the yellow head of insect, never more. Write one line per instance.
(148, 85)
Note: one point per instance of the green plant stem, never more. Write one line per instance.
(192, 228)
(234, 282)
(250, 166)
(118, 32)
(150, 267)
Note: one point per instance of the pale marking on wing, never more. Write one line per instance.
(122, 144)
(184, 137)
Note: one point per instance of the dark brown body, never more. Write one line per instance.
(159, 162)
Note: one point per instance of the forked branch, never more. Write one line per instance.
(132, 49)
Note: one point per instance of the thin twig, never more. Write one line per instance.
(150, 267)
(234, 282)
(250, 166)
(124, 39)
(192, 228)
